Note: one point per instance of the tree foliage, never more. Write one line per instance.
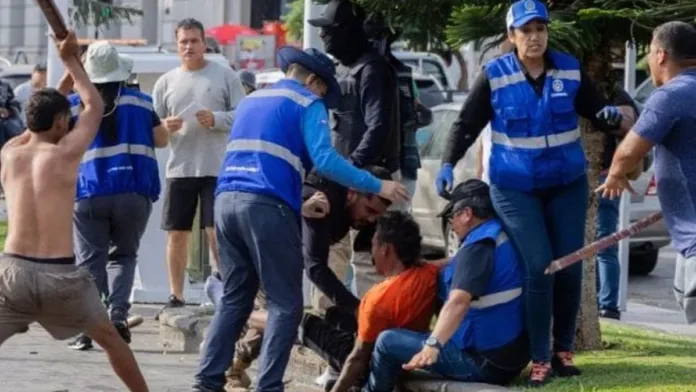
(100, 13)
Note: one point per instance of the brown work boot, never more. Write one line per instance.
(236, 376)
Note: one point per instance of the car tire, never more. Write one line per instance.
(451, 240)
(642, 260)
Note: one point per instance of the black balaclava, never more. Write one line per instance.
(346, 40)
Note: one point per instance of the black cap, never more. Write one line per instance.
(40, 67)
(470, 193)
(337, 12)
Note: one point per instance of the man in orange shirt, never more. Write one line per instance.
(405, 299)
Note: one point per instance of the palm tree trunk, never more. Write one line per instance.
(588, 335)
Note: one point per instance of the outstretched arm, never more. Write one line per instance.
(78, 140)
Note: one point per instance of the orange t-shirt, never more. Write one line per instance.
(402, 301)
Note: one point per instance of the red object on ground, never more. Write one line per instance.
(602, 244)
(227, 34)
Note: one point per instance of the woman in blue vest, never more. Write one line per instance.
(117, 184)
(532, 98)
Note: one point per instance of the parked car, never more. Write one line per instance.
(436, 233)
(426, 63)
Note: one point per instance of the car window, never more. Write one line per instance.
(442, 123)
(434, 68)
(643, 91)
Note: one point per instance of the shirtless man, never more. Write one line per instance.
(39, 281)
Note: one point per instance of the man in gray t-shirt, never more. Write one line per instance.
(196, 103)
(668, 122)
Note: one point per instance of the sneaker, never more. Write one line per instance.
(540, 374)
(81, 343)
(563, 366)
(213, 288)
(122, 329)
(610, 314)
(173, 302)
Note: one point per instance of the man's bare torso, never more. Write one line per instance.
(39, 184)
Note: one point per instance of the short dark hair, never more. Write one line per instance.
(678, 39)
(401, 231)
(382, 174)
(43, 107)
(189, 24)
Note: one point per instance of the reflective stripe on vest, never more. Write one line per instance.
(266, 152)
(519, 77)
(491, 300)
(536, 142)
(125, 148)
(276, 150)
(122, 100)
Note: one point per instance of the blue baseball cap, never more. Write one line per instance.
(523, 11)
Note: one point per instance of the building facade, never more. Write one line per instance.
(24, 31)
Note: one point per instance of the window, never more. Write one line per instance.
(433, 68)
(437, 133)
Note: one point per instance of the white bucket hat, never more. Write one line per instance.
(104, 65)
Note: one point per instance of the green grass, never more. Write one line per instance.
(634, 360)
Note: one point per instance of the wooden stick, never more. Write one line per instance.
(54, 18)
(602, 244)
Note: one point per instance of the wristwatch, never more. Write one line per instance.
(432, 342)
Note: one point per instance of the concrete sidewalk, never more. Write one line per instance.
(659, 319)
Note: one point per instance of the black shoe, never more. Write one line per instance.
(122, 329)
(173, 302)
(81, 343)
(563, 365)
(610, 314)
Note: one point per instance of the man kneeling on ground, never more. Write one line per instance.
(479, 334)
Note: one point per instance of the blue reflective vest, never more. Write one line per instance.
(535, 141)
(266, 153)
(128, 163)
(495, 318)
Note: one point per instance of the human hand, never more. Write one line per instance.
(613, 187)
(68, 47)
(4, 113)
(173, 124)
(426, 357)
(444, 179)
(317, 206)
(611, 114)
(206, 118)
(394, 191)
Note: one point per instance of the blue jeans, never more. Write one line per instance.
(608, 268)
(259, 243)
(107, 232)
(395, 347)
(545, 225)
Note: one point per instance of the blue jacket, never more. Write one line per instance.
(266, 152)
(494, 319)
(535, 141)
(127, 164)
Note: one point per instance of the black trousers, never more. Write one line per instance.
(331, 337)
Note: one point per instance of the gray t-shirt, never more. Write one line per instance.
(669, 121)
(197, 151)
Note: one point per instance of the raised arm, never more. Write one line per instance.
(78, 140)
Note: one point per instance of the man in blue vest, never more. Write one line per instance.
(279, 134)
(479, 335)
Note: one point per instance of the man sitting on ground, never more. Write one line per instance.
(479, 334)
(39, 280)
(404, 299)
